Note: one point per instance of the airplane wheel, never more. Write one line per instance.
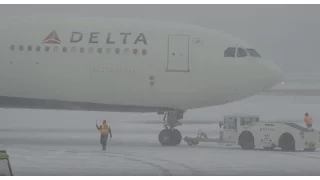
(165, 137)
(176, 137)
(170, 138)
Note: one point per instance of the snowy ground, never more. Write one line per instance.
(67, 143)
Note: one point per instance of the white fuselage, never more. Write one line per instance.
(124, 63)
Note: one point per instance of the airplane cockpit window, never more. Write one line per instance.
(253, 53)
(230, 52)
(241, 52)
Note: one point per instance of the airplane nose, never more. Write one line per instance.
(273, 73)
(276, 71)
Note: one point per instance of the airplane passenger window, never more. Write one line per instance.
(55, 49)
(253, 53)
(29, 48)
(64, 49)
(73, 49)
(135, 51)
(82, 50)
(241, 53)
(38, 48)
(47, 48)
(90, 50)
(117, 51)
(144, 52)
(99, 50)
(21, 47)
(12, 47)
(108, 50)
(230, 52)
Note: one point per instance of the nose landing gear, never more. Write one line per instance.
(171, 136)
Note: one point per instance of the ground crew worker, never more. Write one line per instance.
(104, 131)
(308, 120)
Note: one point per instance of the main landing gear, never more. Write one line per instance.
(170, 136)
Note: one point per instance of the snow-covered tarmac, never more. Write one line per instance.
(67, 143)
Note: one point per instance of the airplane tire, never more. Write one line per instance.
(176, 137)
(165, 137)
(170, 138)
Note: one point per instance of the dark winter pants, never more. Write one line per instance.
(103, 141)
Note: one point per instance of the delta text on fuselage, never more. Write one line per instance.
(97, 38)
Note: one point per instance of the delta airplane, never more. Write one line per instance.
(126, 65)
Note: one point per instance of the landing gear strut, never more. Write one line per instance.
(170, 136)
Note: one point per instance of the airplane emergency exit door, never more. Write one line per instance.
(178, 53)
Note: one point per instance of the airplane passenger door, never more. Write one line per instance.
(178, 53)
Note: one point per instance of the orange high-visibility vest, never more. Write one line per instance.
(104, 129)
(308, 120)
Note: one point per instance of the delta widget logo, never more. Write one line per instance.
(52, 38)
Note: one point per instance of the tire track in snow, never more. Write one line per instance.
(129, 157)
(164, 171)
(303, 154)
(193, 171)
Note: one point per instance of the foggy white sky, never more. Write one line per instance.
(287, 34)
